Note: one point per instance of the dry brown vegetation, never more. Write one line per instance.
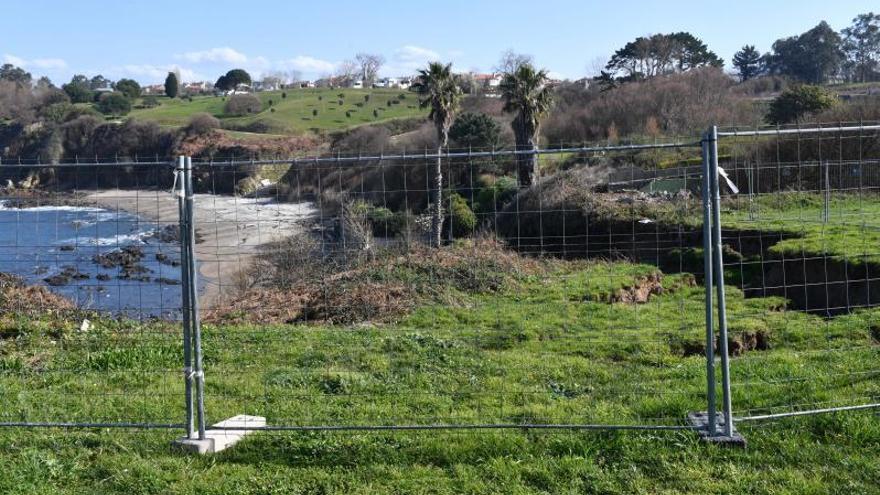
(19, 298)
(295, 282)
(675, 105)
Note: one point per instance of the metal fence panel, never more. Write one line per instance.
(801, 243)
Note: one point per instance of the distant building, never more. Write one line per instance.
(154, 89)
(197, 87)
(393, 82)
(267, 85)
(489, 82)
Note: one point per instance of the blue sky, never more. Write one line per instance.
(143, 40)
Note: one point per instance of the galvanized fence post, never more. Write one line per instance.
(198, 372)
(826, 203)
(728, 431)
(712, 425)
(185, 277)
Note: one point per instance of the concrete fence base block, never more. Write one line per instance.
(701, 421)
(222, 435)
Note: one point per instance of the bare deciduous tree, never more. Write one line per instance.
(294, 76)
(510, 61)
(347, 72)
(369, 66)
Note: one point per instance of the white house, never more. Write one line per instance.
(489, 81)
(387, 82)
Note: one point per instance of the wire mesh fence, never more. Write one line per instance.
(488, 331)
(626, 288)
(802, 249)
(90, 287)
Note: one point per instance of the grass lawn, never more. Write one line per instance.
(295, 112)
(851, 232)
(549, 349)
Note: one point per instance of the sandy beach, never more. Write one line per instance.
(231, 228)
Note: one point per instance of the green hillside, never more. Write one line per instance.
(295, 112)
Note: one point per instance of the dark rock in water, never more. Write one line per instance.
(166, 281)
(166, 260)
(73, 272)
(134, 272)
(128, 260)
(171, 234)
(103, 277)
(127, 256)
(67, 247)
(57, 280)
(67, 274)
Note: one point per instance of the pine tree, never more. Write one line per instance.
(748, 62)
(172, 85)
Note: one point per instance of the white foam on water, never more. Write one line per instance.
(50, 208)
(116, 240)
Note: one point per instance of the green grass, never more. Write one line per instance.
(294, 114)
(546, 349)
(851, 232)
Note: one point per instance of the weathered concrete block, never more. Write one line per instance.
(222, 435)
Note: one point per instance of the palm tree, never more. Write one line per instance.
(438, 91)
(525, 92)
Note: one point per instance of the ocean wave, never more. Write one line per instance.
(116, 240)
(51, 208)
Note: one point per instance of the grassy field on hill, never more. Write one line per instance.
(295, 112)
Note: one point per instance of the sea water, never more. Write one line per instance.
(43, 244)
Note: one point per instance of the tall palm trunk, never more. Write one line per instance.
(527, 164)
(437, 199)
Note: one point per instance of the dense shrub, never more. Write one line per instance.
(114, 104)
(150, 102)
(494, 193)
(129, 87)
(460, 219)
(55, 113)
(201, 124)
(383, 221)
(242, 105)
(795, 103)
(475, 130)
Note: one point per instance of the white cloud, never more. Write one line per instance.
(415, 56)
(309, 65)
(147, 72)
(410, 58)
(37, 63)
(221, 54)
